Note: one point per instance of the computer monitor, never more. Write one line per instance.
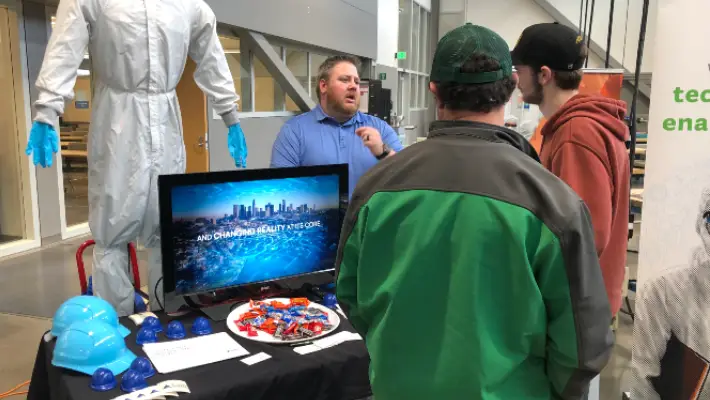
(222, 230)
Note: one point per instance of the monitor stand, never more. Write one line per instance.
(219, 305)
(219, 312)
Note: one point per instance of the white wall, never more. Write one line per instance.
(387, 30)
(508, 18)
(625, 32)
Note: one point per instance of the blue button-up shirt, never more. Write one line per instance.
(314, 138)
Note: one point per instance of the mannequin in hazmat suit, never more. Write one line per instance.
(672, 325)
(138, 52)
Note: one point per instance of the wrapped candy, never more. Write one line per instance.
(295, 319)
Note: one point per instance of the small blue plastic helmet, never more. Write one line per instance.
(103, 380)
(86, 346)
(84, 308)
(143, 365)
(133, 381)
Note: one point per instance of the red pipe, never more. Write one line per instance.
(80, 264)
(82, 271)
(134, 264)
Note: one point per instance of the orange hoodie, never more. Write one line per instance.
(583, 143)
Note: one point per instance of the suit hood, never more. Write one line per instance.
(609, 113)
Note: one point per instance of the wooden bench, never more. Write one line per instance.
(75, 153)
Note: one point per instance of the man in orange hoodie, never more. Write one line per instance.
(583, 140)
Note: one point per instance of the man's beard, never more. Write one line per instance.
(536, 97)
(341, 108)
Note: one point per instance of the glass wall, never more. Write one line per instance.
(316, 61)
(13, 183)
(265, 89)
(414, 35)
(297, 63)
(74, 140)
(268, 96)
(239, 65)
(414, 40)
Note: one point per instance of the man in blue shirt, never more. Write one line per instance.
(335, 132)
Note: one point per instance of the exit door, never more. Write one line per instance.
(193, 108)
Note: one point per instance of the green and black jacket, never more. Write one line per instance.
(471, 272)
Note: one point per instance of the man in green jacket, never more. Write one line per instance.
(469, 269)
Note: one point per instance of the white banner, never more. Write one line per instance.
(672, 326)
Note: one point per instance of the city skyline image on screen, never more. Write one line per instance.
(236, 233)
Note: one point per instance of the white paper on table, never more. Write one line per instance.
(256, 358)
(157, 392)
(178, 355)
(149, 393)
(307, 349)
(326, 342)
(336, 339)
(173, 386)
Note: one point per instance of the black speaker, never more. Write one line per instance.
(379, 101)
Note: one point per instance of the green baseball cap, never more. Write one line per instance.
(457, 46)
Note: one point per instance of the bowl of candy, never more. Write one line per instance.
(282, 320)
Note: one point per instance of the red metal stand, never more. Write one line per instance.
(82, 271)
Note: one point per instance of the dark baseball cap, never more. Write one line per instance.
(554, 45)
(456, 48)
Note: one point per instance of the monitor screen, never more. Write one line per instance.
(250, 226)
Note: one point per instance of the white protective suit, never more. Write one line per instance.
(676, 303)
(138, 52)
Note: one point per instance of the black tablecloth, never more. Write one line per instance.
(339, 372)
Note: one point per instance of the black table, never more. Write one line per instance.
(336, 373)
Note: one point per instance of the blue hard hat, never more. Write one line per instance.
(103, 380)
(143, 365)
(146, 335)
(201, 326)
(152, 323)
(176, 330)
(330, 300)
(86, 346)
(84, 308)
(132, 381)
(139, 305)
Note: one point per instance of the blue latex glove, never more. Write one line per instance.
(43, 142)
(237, 145)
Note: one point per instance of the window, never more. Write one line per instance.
(279, 51)
(413, 83)
(297, 63)
(405, 29)
(258, 90)
(266, 90)
(424, 91)
(15, 208)
(414, 48)
(424, 63)
(239, 66)
(74, 136)
(279, 93)
(316, 61)
(414, 34)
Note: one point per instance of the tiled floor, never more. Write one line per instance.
(35, 284)
(20, 337)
